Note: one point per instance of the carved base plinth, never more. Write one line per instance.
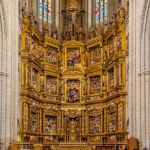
(73, 146)
(72, 138)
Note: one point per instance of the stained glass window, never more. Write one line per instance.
(46, 12)
(101, 11)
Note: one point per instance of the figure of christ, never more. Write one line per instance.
(73, 13)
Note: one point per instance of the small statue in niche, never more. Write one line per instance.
(105, 54)
(105, 27)
(68, 32)
(32, 46)
(112, 126)
(42, 82)
(121, 11)
(91, 33)
(118, 41)
(111, 48)
(54, 34)
(104, 85)
(80, 33)
(47, 32)
(73, 126)
(98, 30)
(34, 79)
(27, 41)
(73, 129)
(39, 53)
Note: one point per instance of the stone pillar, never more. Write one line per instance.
(139, 76)
(90, 13)
(9, 78)
(57, 15)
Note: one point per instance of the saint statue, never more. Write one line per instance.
(73, 126)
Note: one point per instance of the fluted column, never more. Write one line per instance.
(90, 13)
(9, 78)
(57, 15)
(139, 73)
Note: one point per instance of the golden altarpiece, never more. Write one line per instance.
(73, 93)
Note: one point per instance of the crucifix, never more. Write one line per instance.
(73, 12)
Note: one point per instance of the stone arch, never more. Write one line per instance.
(2, 33)
(2, 20)
(146, 13)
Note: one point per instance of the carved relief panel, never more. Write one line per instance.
(51, 55)
(95, 124)
(51, 85)
(95, 84)
(121, 117)
(73, 56)
(73, 91)
(111, 118)
(25, 118)
(34, 121)
(95, 54)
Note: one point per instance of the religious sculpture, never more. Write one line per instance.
(73, 129)
(112, 122)
(50, 125)
(74, 57)
(51, 55)
(95, 55)
(79, 33)
(95, 85)
(72, 15)
(34, 122)
(34, 78)
(120, 116)
(111, 78)
(91, 33)
(51, 85)
(73, 91)
(95, 123)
